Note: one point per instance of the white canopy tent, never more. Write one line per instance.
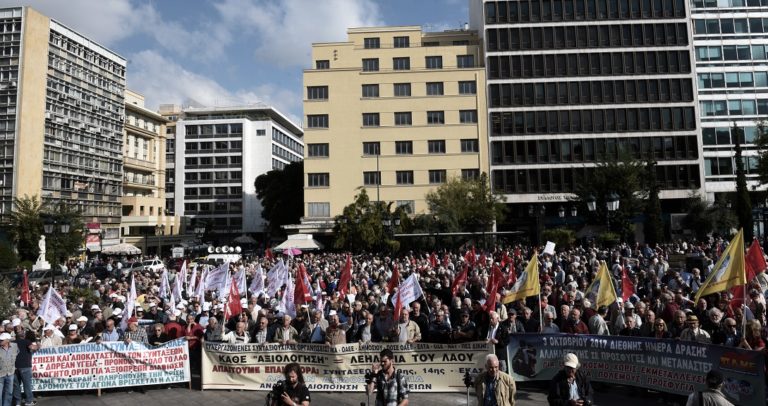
(304, 242)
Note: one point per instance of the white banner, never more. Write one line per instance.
(53, 307)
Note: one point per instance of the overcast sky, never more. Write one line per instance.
(232, 52)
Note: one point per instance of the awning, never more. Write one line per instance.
(304, 242)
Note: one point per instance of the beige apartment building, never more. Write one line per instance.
(145, 219)
(394, 110)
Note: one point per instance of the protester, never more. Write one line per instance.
(391, 385)
(9, 351)
(712, 396)
(295, 391)
(570, 386)
(494, 387)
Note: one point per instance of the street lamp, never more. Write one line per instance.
(538, 214)
(159, 230)
(591, 203)
(612, 202)
(561, 214)
(50, 228)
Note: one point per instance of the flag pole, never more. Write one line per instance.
(541, 316)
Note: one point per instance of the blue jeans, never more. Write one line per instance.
(23, 377)
(6, 389)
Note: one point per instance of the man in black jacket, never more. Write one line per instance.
(570, 386)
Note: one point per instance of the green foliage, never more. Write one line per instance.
(88, 294)
(562, 237)
(26, 265)
(466, 205)
(761, 141)
(8, 259)
(281, 193)
(60, 246)
(742, 203)
(654, 226)
(7, 297)
(623, 176)
(26, 226)
(703, 219)
(609, 238)
(360, 226)
(26, 222)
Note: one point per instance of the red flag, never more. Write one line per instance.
(268, 254)
(398, 307)
(394, 281)
(469, 257)
(482, 260)
(433, 260)
(446, 260)
(460, 278)
(233, 301)
(301, 293)
(627, 288)
(512, 277)
(346, 277)
(505, 259)
(755, 261)
(25, 295)
(493, 287)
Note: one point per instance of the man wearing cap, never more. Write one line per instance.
(694, 332)
(493, 387)
(72, 336)
(465, 330)
(25, 341)
(334, 334)
(134, 333)
(570, 386)
(713, 395)
(50, 338)
(8, 353)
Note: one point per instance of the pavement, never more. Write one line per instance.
(527, 394)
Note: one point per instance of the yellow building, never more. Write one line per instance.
(394, 110)
(145, 219)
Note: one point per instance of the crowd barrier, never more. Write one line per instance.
(109, 365)
(665, 365)
(341, 368)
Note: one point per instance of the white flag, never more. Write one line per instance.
(192, 282)
(217, 277)
(240, 280)
(182, 275)
(176, 291)
(287, 305)
(257, 284)
(200, 288)
(165, 288)
(410, 290)
(130, 304)
(53, 307)
(276, 278)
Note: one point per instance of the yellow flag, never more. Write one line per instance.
(527, 283)
(729, 270)
(602, 287)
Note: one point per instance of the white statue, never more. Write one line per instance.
(41, 245)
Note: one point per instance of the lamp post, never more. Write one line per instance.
(159, 230)
(561, 214)
(538, 213)
(53, 227)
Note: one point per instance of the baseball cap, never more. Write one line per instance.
(73, 327)
(5, 336)
(82, 318)
(16, 322)
(95, 307)
(571, 360)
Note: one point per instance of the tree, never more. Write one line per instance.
(26, 226)
(360, 226)
(60, 245)
(282, 196)
(742, 203)
(466, 205)
(654, 226)
(703, 218)
(624, 177)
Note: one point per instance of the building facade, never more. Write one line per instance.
(61, 118)
(395, 111)
(219, 152)
(731, 38)
(572, 84)
(145, 218)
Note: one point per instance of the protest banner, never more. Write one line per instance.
(341, 368)
(109, 365)
(665, 365)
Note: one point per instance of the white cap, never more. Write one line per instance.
(16, 322)
(49, 327)
(95, 307)
(244, 301)
(69, 314)
(206, 306)
(5, 337)
(82, 318)
(180, 306)
(118, 311)
(332, 313)
(73, 327)
(177, 312)
(6, 322)
(152, 304)
(571, 361)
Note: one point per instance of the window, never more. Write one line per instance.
(402, 89)
(317, 150)
(406, 206)
(370, 90)
(468, 116)
(317, 121)
(404, 147)
(465, 61)
(402, 42)
(318, 179)
(404, 177)
(436, 146)
(316, 93)
(435, 117)
(372, 178)
(433, 62)
(370, 119)
(403, 63)
(470, 145)
(371, 43)
(437, 176)
(468, 87)
(371, 148)
(315, 209)
(370, 64)
(470, 174)
(435, 88)
(403, 118)
(323, 64)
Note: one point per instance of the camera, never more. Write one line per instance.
(369, 377)
(278, 388)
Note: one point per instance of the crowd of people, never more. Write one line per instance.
(661, 306)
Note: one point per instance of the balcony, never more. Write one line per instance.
(139, 164)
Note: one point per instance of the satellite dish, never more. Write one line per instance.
(238, 249)
(210, 249)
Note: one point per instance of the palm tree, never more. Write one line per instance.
(26, 225)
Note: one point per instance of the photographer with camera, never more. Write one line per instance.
(570, 387)
(291, 391)
(391, 386)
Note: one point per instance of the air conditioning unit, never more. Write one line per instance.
(14, 83)
(48, 115)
